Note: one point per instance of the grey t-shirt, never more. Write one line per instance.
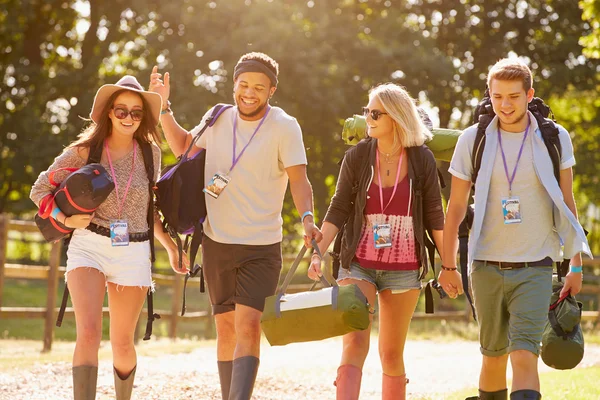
(534, 238)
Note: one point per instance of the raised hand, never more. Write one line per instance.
(159, 86)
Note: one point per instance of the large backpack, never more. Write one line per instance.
(94, 157)
(442, 145)
(180, 199)
(483, 115)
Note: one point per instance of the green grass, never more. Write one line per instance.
(32, 293)
(577, 384)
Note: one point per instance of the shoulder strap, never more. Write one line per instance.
(479, 145)
(550, 134)
(216, 112)
(95, 154)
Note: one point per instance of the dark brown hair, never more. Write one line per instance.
(94, 134)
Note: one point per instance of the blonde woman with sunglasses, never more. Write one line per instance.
(124, 118)
(383, 240)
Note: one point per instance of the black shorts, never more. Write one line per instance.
(240, 274)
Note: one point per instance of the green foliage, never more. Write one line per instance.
(55, 54)
(591, 39)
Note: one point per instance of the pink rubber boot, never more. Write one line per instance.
(348, 382)
(394, 387)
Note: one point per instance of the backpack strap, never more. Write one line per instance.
(416, 159)
(479, 145)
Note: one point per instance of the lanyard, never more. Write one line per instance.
(395, 184)
(234, 159)
(512, 177)
(112, 172)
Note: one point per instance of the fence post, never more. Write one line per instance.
(176, 305)
(51, 296)
(4, 221)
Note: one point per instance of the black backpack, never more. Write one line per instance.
(484, 113)
(180, 199)
(415, 157)
(95, 156)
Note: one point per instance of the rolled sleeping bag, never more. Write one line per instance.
(82, 192)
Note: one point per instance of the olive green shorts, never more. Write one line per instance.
(511, 306)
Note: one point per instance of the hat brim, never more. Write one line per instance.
(105, 91)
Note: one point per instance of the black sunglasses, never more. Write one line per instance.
(122, 113)
(375, 114)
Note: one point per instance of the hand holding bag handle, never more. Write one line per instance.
(294, 267)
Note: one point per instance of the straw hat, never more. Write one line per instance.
(130, 83)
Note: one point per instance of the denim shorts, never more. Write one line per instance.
(396, 281)
(121, 265)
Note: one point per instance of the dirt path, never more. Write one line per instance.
(299, 371)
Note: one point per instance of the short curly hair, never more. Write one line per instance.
(262, 58)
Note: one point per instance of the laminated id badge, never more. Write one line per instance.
(216, 185)
(511, 210)
(119, 233)
(382, 235)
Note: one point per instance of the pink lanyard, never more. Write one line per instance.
(112, 172)
(395, 184)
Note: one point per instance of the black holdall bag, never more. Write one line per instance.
(181, 201)
(81, 192)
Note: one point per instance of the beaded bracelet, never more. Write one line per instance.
(449, 269)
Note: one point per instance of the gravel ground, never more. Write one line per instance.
(298, 371)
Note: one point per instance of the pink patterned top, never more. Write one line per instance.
(402, 256)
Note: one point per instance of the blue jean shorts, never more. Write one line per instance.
(396, 281)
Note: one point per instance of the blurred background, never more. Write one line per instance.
(55, 54)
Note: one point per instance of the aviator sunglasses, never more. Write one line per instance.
(122, 113)
(375, 114)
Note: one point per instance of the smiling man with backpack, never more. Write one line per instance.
(251, 153)
(524, 214)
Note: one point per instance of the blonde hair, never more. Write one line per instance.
(409, 128)
(511, 69)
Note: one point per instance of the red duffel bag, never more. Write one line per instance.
(81, 192)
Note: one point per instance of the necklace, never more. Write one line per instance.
(390, 159)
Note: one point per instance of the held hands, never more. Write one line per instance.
(573, 283)
(78, 221)
(158, 86)
(174, 261)
(451, 282)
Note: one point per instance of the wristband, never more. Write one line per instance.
(55, 212)
(166, 110)
(576, 268)
(448, 268)
(306, 214)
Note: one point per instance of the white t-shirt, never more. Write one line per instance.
(535, 237)
(248, 211)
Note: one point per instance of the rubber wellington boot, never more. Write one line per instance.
(526, 394)
(243, 376)
(225, 369)
(394, 387)
(124, 387)
(84, 382)
(348, 382)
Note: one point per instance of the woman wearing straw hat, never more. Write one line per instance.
(124, 118)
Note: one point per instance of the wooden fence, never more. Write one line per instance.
(53, 272)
